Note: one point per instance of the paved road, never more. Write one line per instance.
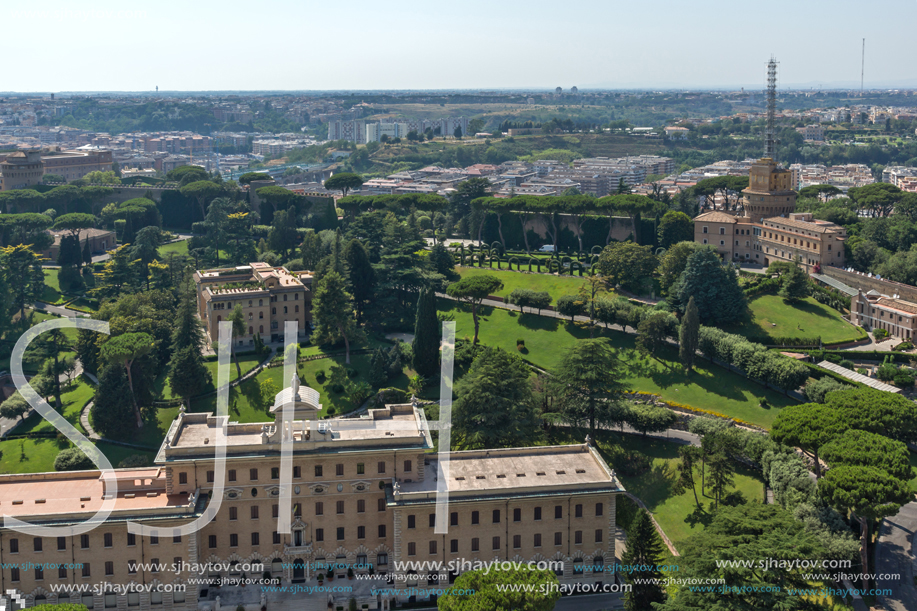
(59, 310)
(895, 555)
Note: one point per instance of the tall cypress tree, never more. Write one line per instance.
(188, 376)
(426, 335)
(689, 335)
(643, 555)
(362, 276)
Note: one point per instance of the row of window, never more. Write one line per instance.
(496, 542)
(86, 569)
(232, 475)
(111, 599)
(222, 305)
(107, 541)
(212, 540)
(254, 511)
(495, 515)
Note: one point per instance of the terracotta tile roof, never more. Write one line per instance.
(716, 217)
(898, 304)
(808, 226)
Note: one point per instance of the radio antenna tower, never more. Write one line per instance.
(862, 65)
(770, 130)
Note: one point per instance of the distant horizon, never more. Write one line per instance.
(748, 88)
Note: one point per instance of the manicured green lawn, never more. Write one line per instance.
(84, 304)
(708, 387)
(179, 248)
(656, 487)
(39, 316)
(163, 390)
(74, 397)
(52, 292)
(771, 315)
(557, 286)
(39, 455)
(32, 365)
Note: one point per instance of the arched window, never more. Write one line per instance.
(249, 303)
(284, 309)
(296, 309)
(273, 310)
(219, 318)
(251, 330)
(285, 297)
(296, 297)
(250, 315)
(260, 302)
(260, 315)
(260, 328)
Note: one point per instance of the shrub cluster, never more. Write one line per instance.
(755, 360)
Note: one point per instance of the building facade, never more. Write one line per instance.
(872, 310)
(362, 496)
(21, 170)
(269, 297)
(769, 229)
(74, 164)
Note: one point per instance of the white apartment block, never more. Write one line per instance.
(899, 175)
(375, 131)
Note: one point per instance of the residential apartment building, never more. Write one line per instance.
(375, 131)
(269, 297)
(353, 130)
(813, 133)
(900, 176)
(362, 494)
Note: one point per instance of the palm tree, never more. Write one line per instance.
(416, 384)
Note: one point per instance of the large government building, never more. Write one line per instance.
(363, 495)
(770, 230)
(269, 296)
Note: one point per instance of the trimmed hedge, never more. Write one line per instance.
(784, 341)
(755, 360)
(836, 356)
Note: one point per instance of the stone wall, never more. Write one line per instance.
(865, 283)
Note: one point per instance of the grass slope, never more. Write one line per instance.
(708, 387)
(656, 487)
(163, 390)
(772, 316)
(556, 286)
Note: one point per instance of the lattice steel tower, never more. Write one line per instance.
(770, 130)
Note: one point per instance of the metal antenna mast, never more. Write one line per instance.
(770, 130)
(862, 65)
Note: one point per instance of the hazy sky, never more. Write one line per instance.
(430, 44)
